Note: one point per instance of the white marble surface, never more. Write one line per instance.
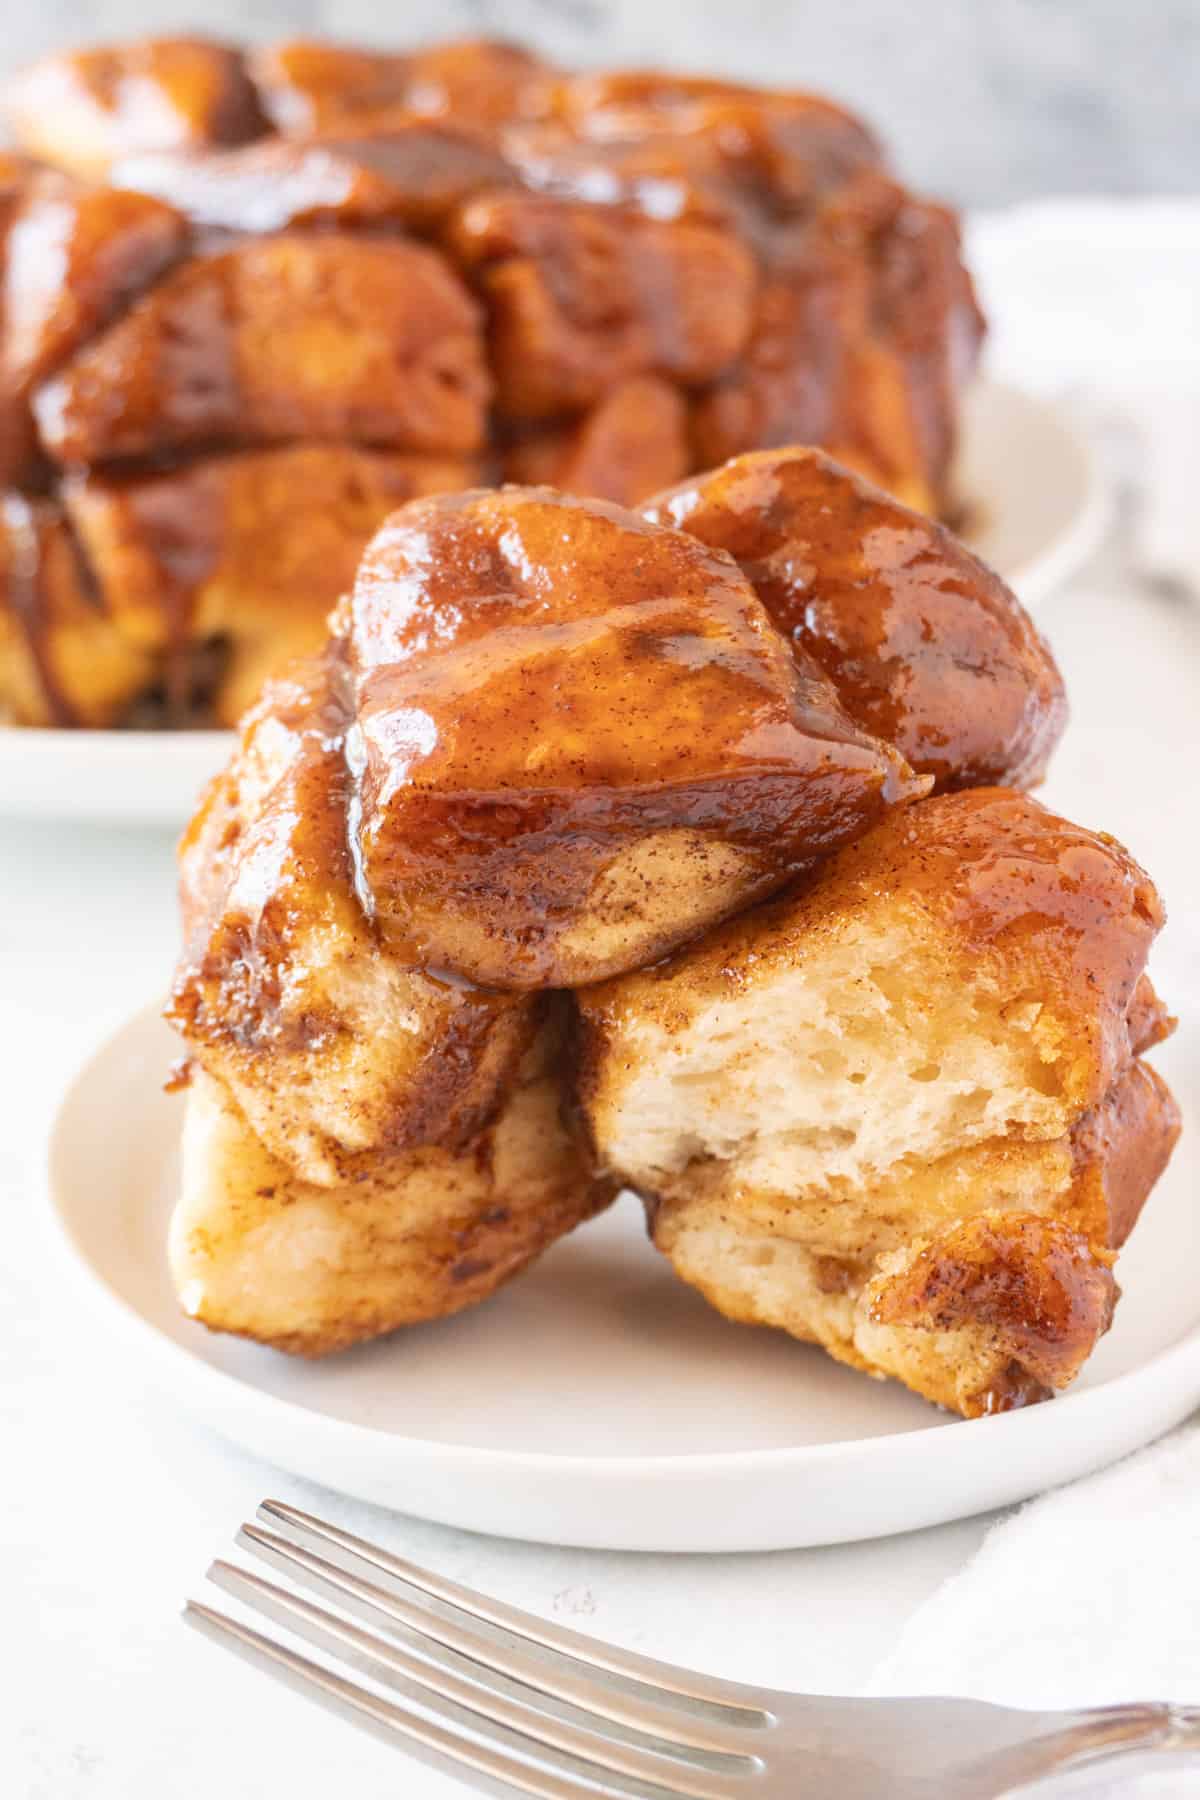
(983, 103)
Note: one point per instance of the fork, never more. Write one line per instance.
(513, 1703)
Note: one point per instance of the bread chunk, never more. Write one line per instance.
(244, 554)
(254, 1249)
(333, 1052)
(82, 109)
(898, 1111)
(63, 662)
(866, 325)
(927, 648)
(276, 339)
(581, 297)
(630, 444)
(578, 740)
(310, 84)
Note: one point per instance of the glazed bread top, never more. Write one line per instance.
(926, 646)
(577, 738)
(601, 282)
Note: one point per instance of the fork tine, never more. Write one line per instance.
(388, 1719)
(547, 1680)
(666, 1682)
(463, 1702)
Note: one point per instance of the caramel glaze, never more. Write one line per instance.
(787, 147)
(250, 550)
(152, 93)
(1120, 1149)
(236, 347)
(633, 442)
(866, 326)
(542, 682)
(308, 84)
(581, 297)
(410, 175)
(674, 148)
(263, 864)
(73, 258)
(928, 649)
(1033, 1282)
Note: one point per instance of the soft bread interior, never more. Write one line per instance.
(864, 1062)
(255, 1250)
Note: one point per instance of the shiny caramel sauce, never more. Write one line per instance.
(237, 346)
(264, 865)
(1016, 879)
(74, 257)
(1032, 1281)
(411, 175)
(792, 145)
(1125, 1143)
(307, 83)
(541, 681)
(149, 93)
(580, 297)
(928, 649)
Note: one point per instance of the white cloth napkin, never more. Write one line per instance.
(1098, 302)
(1087, 1596)
(1091, 1594)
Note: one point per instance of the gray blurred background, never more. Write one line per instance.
(984, 101)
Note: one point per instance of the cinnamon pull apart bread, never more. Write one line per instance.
(455, 253)
(367, 1144)
(901, 1112)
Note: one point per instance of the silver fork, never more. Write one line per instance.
(516, 1704)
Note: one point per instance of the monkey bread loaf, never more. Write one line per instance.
(254, 301)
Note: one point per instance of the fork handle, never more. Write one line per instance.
(1104, 1732)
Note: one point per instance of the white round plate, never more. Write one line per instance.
(596, 1400)
(1035, 506)
(1033, 509)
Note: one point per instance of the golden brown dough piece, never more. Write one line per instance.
(583, 297)
(310, 84)
(333, 1052)
(75, 255)
(276, 339)
(423, 1234)
(366, 1145)
(82, 109)
(899, 1112)
(927, 648)
(866, 326)
(578, 741)
(787, 148)
(62, 661)
(247, 552)
(630, 444)
(411, 175)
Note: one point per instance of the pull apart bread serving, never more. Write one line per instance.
(252, 302)
(683, 850)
